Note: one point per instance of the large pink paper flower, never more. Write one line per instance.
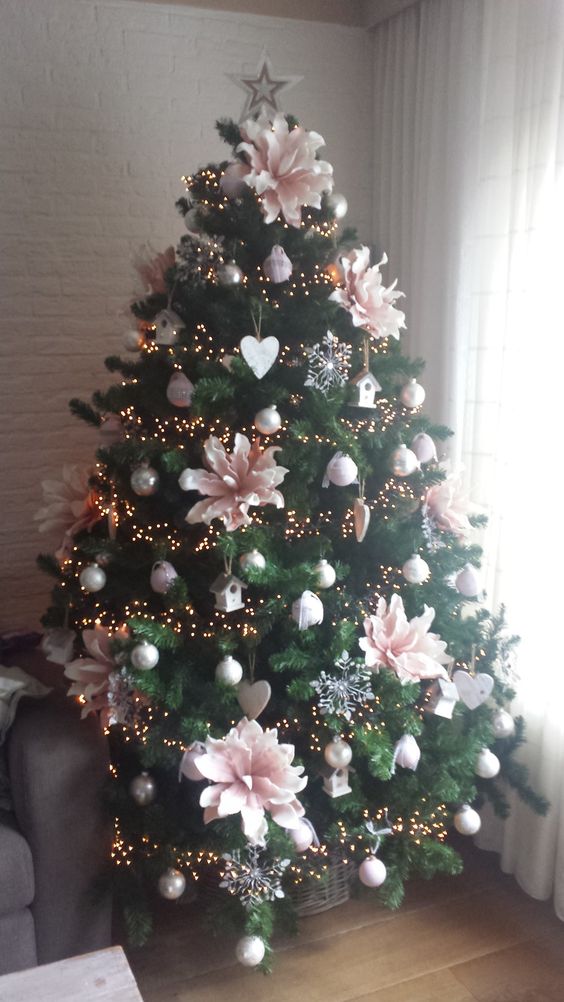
(283, 168)
(70, 506)
(447, 506)
(246, 478)
(90, 675)
(152, 270)
(251, 773)
(369, 302)
(406, 647)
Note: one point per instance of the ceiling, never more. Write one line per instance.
(360, 13)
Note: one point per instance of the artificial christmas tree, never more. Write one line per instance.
(263, 581)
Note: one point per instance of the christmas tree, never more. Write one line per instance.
(268, 584)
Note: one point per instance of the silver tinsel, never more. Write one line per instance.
(251, 878)
(121, 700)
(329, 363)
(342, 694)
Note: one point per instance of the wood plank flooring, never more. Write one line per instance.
(473, 938)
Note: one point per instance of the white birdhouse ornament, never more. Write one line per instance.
(167, 325)
(443, 695)
(336, 783)
(366, 386)
(228, 591)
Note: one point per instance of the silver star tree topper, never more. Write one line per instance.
(262, 89)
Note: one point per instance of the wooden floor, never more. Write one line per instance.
(474, 937)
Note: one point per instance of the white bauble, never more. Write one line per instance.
(268, 421)
(92, 578)
(403, 462)
(229, 274)
(372, 872)
(337, 753)
(144, 481)
(229, 671)
(487, 764)
(133, 340)
(143, 789)
(341, 471)
(468, 582)
(179, 390)
(467, 821)
(412, 394)
(172, 884)
(162, 576)
(338, 204)
(503, 724)
(144, 656)
(253, 560)
(302, 836)
(250, 951)
(326, 575)
(416, 570)
(307, 610)
(424, 447)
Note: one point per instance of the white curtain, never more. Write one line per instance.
(469, 204)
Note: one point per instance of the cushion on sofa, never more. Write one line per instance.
(16, 867)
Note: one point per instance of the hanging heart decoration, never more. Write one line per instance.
(473, 690)
(253, 697)
(260, 355)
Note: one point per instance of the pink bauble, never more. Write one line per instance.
(162, 576)
(468, 582)
(341, 471)
(179, 390)
(372, 872)
(188, 765)
(424, 447)
(302, 836)
(277, 266)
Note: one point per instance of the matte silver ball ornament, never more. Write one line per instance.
(229, 274)
(229, 671)
(412, 394)
(404, 462)
(503, 724)
(172, 884)
(253, 560)
(467, 821)
(326, 575)
(92, 578)
(143, 789)
(144, 656)
(338, 754)
(416, 570)
(487, 764)
(133, 340)
(338, 204)
(268, 421)
(144, 481)
(250, 951)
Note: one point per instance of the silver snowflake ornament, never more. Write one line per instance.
(329, 363)
(121, 698)
(341, 694)
(251, 878)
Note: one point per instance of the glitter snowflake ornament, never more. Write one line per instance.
(342, 694)
(329, 363)
(251, 878)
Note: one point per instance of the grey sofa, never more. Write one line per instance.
(54, 844)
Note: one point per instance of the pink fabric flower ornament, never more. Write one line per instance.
(369, 302)
(406, 647)
(70, 506)
(283, 168)
(152, 270)
(447, 506)
(234, 483)
(250, 773)
(90, 675)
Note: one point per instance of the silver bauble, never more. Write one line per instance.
(487, 764)
(143, 789)
(416, 570)
(503, 724)
(162, 576)
(403, 462)
(133, 340)
(92, 578)
(268, 421)
(412, 394)
(338, 204)
(253, 560)
(229, 671)
(144, 481)
(337, 754)
(326, 576)
(229, 274)
(250, 951)
(191, 221)
(341, 470)
(172, 884)
(144, 656)
(467, 821)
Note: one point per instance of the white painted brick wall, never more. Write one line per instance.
(104, 104)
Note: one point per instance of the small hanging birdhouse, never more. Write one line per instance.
(228, 591)
(443, 695)
(167, 324)
(366, 386)
(336, 782)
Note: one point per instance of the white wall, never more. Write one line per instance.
(104, 104)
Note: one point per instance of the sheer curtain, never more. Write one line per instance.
(469, 203)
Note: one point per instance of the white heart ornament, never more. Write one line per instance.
(253, 697)
(260, 356)
(473, 691)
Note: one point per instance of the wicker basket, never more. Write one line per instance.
(315, 896)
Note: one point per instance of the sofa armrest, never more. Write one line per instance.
(58, 765)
